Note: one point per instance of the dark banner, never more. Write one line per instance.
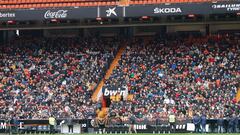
(85, 123)
(115, 11)
(111, 12)
(182, 9)
(45, 14)
(114, 126)
(173, 9)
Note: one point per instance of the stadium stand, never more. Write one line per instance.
(180, 75)
(42, 76)
(184, 75)
(15, 4)
(140, 2)
(109, 66)
(26, 4)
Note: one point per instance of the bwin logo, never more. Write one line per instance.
(111, 11)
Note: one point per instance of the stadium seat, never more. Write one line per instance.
(60, 5)
(69, 3)
(153, 2)
(16, 6)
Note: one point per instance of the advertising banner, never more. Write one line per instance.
(163, 10)
(46, 14)
(182, 9)
(113, 91)
(111, 12)
(119, 12)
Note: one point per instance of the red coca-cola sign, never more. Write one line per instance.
(55, 14)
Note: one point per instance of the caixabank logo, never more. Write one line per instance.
(111, 12)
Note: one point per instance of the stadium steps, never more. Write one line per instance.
(104, 109)
(238, 95)
(108, 73)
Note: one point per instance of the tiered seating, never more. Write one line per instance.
(48, 1)
(44, 76)
(13, 4)
(16, 4)
(184, 76)
(140, 2)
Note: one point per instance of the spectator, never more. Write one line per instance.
(181, 74)
(52, 123)
(220, 123)
(203, 123)
(231, 124)
(196, 122)
(236, 123)
(172, 121)
(70, 124)
(52, 76)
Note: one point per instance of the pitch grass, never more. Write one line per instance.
(149, 134)
(137, 134)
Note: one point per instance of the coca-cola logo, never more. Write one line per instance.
(56, 14)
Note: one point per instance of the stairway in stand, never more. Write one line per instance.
(238, 95)
(108, 74)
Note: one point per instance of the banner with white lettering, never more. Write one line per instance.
(113, 91)
(41, 124)
(119, 12)
(11, 15)
(182, 9)
(45, 14)
(111, 12)
(225, 7)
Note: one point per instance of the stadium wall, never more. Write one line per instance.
(119, 12)
(217, 27)
(200, 28)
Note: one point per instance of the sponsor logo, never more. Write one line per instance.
(3, 125)
(7, 15)
(228, 7)
(92, 122)
(141, 127)
(84, 125)
(167, 10)
(111, 11)
(113, 92)
(57, 14)
(21, 125)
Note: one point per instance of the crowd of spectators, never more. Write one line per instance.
(184, 76)
(40, 77)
